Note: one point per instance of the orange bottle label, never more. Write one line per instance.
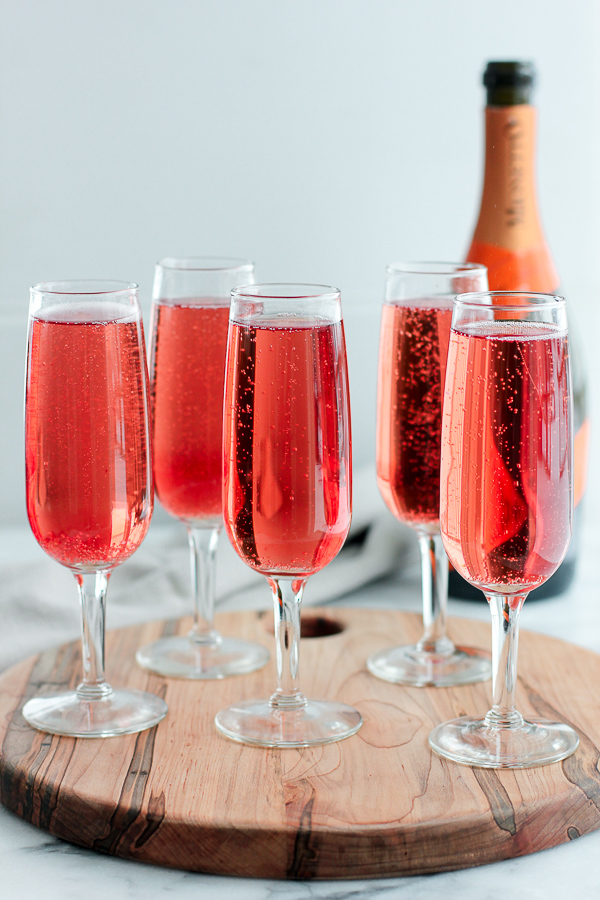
(516, 270)
(509, 212)
(508, 237)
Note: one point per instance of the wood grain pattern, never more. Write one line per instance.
(377, 804)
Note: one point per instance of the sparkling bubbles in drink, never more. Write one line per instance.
(89, 493)
(287, 476)
(187, 374)
(505, 482)
(412, 368)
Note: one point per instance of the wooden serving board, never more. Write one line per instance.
(377, 804)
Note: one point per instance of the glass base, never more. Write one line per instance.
(180, 657)
(415, 666)
(265, 725)
(121, 712)
(473, 742)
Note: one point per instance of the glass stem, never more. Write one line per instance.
(287, 602)
(434, 580)
(505, 610)
(92, 595)
(203, 548)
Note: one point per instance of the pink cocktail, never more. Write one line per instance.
(506, 497)
(415, 330)
(288, 490)
(89, 475)
(190, 320)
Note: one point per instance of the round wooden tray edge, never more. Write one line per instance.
(311, 850)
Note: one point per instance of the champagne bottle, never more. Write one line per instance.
(509, 240)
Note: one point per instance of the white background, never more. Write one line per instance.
(322, 138)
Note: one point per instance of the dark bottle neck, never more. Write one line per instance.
(509, 95)
(509, 83)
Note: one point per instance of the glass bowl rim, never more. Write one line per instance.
(205, 263)
(433, 267)
(482, 300)
(285, 291)
(82, 287)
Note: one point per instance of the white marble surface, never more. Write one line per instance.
(34, 864)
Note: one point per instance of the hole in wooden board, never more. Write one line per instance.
(312, 626)
(319, 626)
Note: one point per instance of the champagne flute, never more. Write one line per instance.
(415, 329)
(287, 491)
(506, 497)
(89, 477)
(190, 315)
